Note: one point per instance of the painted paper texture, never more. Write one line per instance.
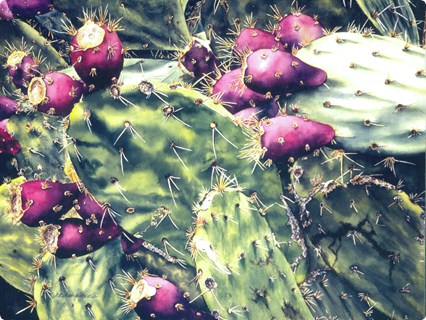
(212, 159)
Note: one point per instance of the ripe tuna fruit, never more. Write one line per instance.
(157, 298)
(279, 73)
(21, 68)
(290, 136)
(41, 200)
(235, 96)
(96, 51)
(284, 137)
(8, 145)
(5, 13)
(29, 8)
(254, 39)
(8, 107)
(75, 237)
(197, 59)
(298, 30)
(55, 93)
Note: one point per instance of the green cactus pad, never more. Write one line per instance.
(392, 18)
(234, 245)
(374, 95)
(151, 161)
(42, 138)
(362, 216)
(19, 245)
(97, 287)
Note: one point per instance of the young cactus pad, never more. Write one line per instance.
(241, 269)
(375, 95)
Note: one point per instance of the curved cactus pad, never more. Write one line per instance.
(375, 95)
(240, 266)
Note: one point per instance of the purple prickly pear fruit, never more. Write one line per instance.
(130, 244)
(97, 53)
(41, 200)
(298, 30)
(5, 13)
(8, 145)
(55, 93)
(279, 73)
(235, 96)
(74, 237)
(21, 68)
(8, 107)
(198, 59)
(29, 8)
(289, 136)
(254, 39)
(156, 297)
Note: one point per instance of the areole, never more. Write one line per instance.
(15, 58)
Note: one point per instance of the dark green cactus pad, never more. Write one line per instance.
(375, 107)
(151, 161)
(18, 244)
(393, 18)
(16, 33)
(346, 218)
(43, 142)
(162, 33)
(234, 245)
(75, 288)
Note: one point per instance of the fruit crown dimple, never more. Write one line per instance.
(89, 36)
(36, 91)
(15, 58)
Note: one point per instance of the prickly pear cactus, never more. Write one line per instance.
(21, 35)
(374, 107)
(151, 200)
(166, 149)
(163, 33)
(346, 217)
(240, 267)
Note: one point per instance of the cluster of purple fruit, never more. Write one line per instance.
(268, 69)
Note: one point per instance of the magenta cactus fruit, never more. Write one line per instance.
(21, 68)
(5, 13)
(235, 96)
(75, 237)
(254, 39)
(197, 59)
(285, 136)
(8, 107)
(41, 200)
(155, 297)
(298, 30)
(96, 51)
(55, 93)
(8, 145)
(279, 73)
(29, 8)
